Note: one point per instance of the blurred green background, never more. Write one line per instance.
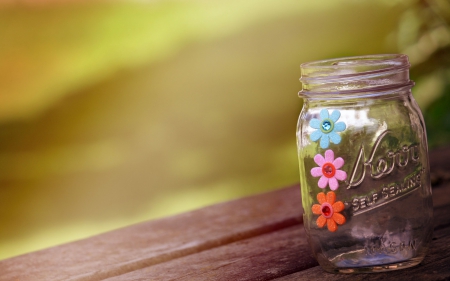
(112, 113)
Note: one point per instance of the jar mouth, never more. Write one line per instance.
(355, 74)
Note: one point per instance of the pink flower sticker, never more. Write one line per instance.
(328, 170)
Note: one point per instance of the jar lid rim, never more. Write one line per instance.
(377, 59)
(353, 66)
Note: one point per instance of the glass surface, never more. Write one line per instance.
(363, 162)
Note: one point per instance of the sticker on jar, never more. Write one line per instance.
(328, 170)
(327, 128)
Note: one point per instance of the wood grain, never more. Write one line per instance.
(274, 256)
(260, 258)
(154, 242)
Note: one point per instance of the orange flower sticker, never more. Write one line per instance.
(328, 209)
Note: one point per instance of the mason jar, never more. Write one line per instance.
(363, 160)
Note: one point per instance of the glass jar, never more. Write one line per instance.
(363, 162)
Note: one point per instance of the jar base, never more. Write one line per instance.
(377, 268)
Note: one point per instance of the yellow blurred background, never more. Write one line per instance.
(116, 112)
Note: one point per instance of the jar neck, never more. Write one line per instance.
(360, 76)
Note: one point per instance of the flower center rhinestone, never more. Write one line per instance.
(328, 170)
(326, 125)
(327, 210)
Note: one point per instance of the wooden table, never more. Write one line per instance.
(254, 238)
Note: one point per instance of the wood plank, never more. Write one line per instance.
(280, 253)
(153, 242)
(259, 258)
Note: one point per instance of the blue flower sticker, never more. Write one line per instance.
(327, 128)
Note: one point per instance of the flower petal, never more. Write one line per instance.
(324, 141)
(339, 218)
(323, 182)
(337, 207)
(335, 115)
(319, 160)
(321, 221)
(333, 183)
(332, 226)
(338, 163)
(339, 127)
(334, 137)
(317, 209)
(331, 197)
(329, 156)
(314, 123)
(324, 114)
(316, 172)
(321, 198)
(340, 175)
(316, 135)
